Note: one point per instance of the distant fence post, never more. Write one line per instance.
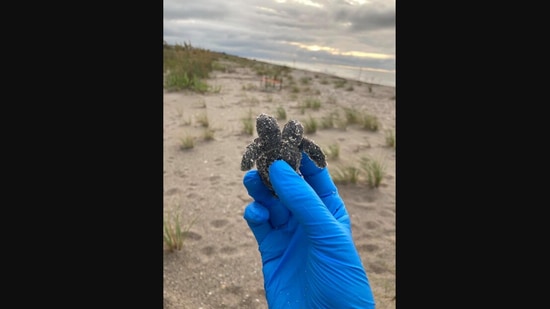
(271, 82)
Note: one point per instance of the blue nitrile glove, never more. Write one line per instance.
(304, 237)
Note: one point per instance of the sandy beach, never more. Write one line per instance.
(219, 265)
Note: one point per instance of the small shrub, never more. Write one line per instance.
(208, 134)
(202, 119)
(339, 83)
(202, 103)
(333, 151)
(375, 170)
(310, 125)
(280, 113)
(353, 116)
(370, 123)
(390, 138)
(248, 124)
(187, 143)
(346, 175)
(175, 233)
(215, 89)
(327, 122)
(312, 103)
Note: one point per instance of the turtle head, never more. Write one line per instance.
(293, 131)
(267, 127)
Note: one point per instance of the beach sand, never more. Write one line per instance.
(219, 265)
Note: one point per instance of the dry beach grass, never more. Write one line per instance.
(205, 134)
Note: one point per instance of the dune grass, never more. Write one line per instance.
(208, 134)
(187, 142)
(175, 232)
(248, 123)
(202, 119)
(346, 175)
(375, 170)
(280, 113)
(310, 125)
(390, 138)
(333, 151)
(187, 67)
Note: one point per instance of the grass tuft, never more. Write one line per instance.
(390, 138)
(175, 233)
(375, 170)
(280, 113)
(346, 175)
(188, 142)
(248, 124)
(310, 125)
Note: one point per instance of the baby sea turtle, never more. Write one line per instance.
(271, 145)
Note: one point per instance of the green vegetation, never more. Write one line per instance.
(365, 120)
(339, 83)
(333, 151)
(186, 67)
(202, 119)
(375, 170)
(346, 175)
(280, 113)
(175, 233)
(248, 124)
(310, 125)
(188, 142)
(390, 138)
(208, 134)
(370, 122)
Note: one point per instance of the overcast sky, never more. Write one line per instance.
(344, 37)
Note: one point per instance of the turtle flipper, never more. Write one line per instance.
(314, 152)
(249, 157)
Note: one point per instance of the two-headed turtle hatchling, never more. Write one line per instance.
(271, 145)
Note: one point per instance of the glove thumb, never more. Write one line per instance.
(257, 218)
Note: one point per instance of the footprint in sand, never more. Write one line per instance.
(219, 223)
(214, 180)
(208, 250)
(172, 191)
(233, 289)
(192, 235)
(376, 268)
(367, 248)
(219, 161)
(385, 213)
(371, 225)
(228, 250)
(193, 196)
(371, 198)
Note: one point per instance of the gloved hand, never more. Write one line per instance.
(304, 237)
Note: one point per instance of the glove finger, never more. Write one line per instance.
(278, 213)
(257, 217)
(319, 179)
(302, 201)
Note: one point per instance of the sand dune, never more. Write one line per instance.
(220, 266)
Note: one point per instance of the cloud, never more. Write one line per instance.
(344, 32)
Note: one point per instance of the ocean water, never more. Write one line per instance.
(369, 75)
